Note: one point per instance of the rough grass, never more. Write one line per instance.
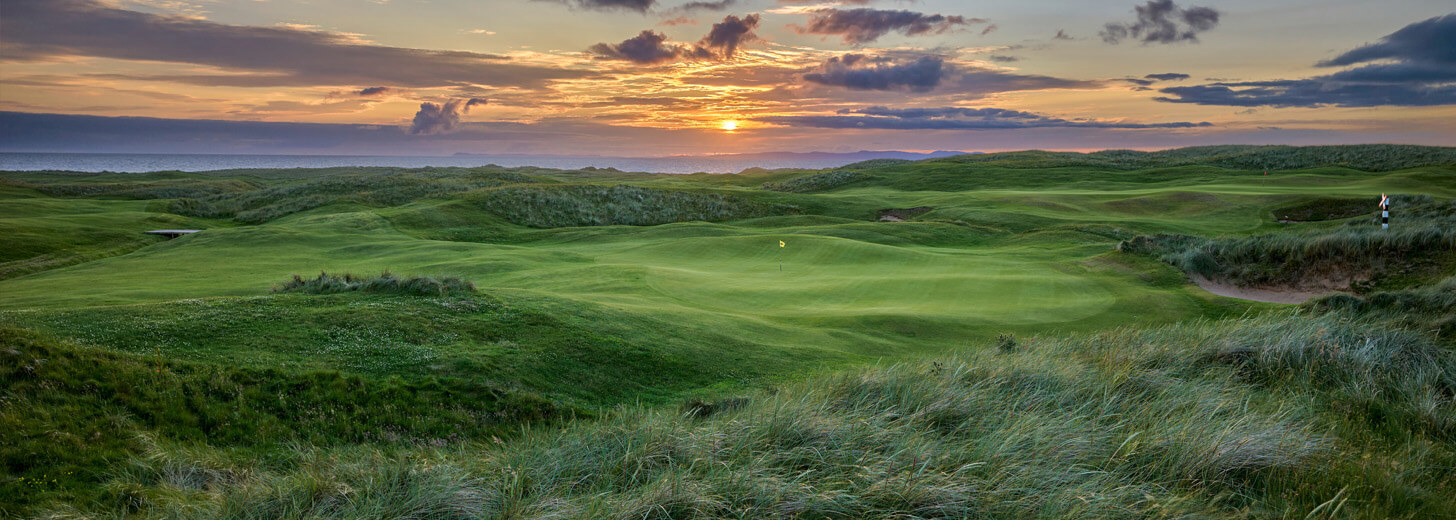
(385, 283)
(1286, 416)
(70, 415)
(596, 205)
(818, 182)
(1419, 248)
(262, 205)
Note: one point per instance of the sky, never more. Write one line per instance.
(674, 77)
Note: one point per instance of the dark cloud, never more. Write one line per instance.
(372, 91)
(646, 48)
(923, 73)
(1061, 35)
(865, 25)
(1142, 82)
(1167, 76)
(726, 36)
(706, 6)
(272, 56)
(953, 118)
(1162, 21)
(989, 29)
(1428, 41)
(1003, 59)
(640, 6)
(439, 118)
(861, 72)
(651, 47)
(1416, 66)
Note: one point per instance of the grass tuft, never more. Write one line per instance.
(385, 283)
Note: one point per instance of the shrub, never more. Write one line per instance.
(595, 205)
(386, 283)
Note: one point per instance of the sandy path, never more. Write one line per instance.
(1258, 295)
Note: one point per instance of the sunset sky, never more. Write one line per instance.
(660, 77)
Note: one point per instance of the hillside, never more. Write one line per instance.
(596, 343)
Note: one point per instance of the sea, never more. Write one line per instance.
(125, 163)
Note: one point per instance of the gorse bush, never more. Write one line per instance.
(386, 283)
(594, 205)
(1168, 422)
(818, 181)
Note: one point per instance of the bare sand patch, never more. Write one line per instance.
(1259, 294)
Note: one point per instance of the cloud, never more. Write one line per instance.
(864, 25)
(1162, 21)
(1061, 35)
(1167, 76)
(706, 6)
(647, 48)
(1431, 41)
(726, 36)
(259, 56)
(439, 118)
(926, 72)
(952, 118)
(651, 47)
(1415, 66)
(861, 72)
(1003, 59)
(372, 91)
(640, 6)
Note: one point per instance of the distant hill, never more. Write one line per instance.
(1366, 157)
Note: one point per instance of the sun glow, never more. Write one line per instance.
(730, 125)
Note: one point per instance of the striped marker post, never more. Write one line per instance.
(1384, 212)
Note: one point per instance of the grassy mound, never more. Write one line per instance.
(386, 283)
(1168, 422)
(818, 181)
(262, 205)
(594, 205)
(1430, 308)
(1419, 248)
(70, 415)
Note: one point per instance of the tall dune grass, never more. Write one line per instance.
(1283, 416)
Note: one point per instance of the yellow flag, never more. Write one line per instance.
(781, 244)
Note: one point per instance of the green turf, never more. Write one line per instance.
(590, 314)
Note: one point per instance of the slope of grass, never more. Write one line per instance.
(69, 414)
(817, 182)
(1280, 417)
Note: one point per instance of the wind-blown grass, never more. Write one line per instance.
(386, 283)
(1418, 248)
(1171, 421)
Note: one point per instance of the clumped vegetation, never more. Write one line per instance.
(818, 182)
(1430, 308)
(70, 415)
(385, 283)
(258, 206)
(1165, 422)
(1371, 158)
(596, 205)
(1419, 247)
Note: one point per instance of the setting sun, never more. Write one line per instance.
(730, 125)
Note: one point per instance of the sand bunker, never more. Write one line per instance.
(1264, 294)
